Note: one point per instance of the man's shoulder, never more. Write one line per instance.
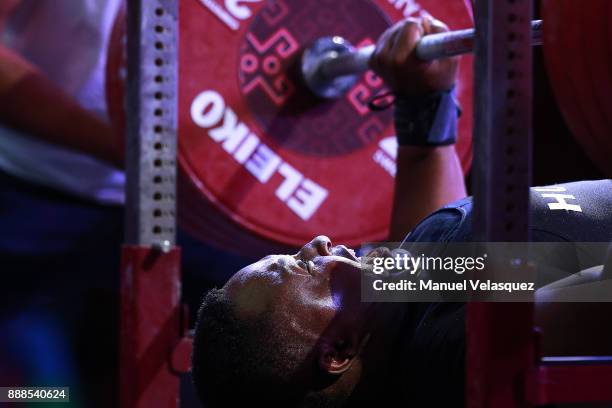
(577, 211)
(450, 223)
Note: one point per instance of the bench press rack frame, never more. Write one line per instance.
(503, 367)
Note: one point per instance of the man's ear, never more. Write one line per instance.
(337, 355)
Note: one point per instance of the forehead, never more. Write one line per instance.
(268, 269)
(253, 287)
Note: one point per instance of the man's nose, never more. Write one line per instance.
(319, 246)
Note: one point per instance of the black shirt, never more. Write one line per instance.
(435, 366)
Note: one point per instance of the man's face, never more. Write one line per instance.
(306, 291)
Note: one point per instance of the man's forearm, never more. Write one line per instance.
(429, 174)
(31, 103)
(427, 178)
(425, 114)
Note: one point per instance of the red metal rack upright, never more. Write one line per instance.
(154, 350)
(503, 369)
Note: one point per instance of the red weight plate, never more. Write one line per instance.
(197, 216)
(584, 19)
(556, 55)
(597, 63)
(273, 158)
(264, 165)
(571, 47)
(206, 222)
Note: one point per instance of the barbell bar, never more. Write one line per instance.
(331, 66)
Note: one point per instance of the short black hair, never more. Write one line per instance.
(235, 361)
